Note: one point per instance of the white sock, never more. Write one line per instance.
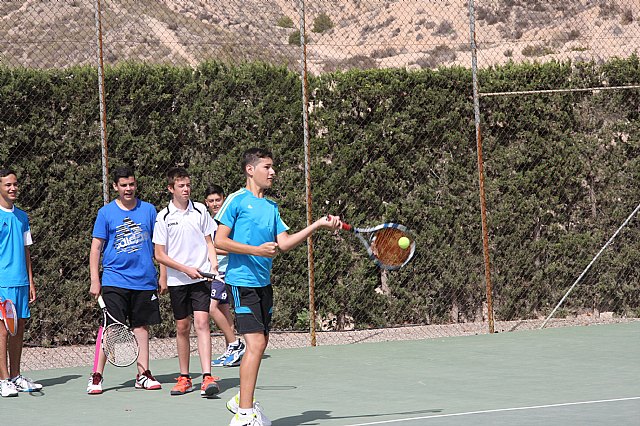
(245, 411)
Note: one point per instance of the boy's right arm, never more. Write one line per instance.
(222, 240)
(163, 258)
(94, 266)
(162, 280)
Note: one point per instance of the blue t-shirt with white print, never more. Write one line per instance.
(127, 259)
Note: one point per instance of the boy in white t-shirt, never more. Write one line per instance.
(183, 243)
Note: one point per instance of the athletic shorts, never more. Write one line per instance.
(253, 307)
(185, 299)
(137, 307)
(20, 298)
(219, 291)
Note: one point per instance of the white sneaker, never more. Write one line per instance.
(234, 403)
(8, 388)
(25, 384)
(238, 420)
(95, 384)
(147, 381)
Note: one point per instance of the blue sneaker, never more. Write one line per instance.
(234, 358)
(219, 362)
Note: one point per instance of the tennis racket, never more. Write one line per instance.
(118, 342)
(9, 316)
(211, 276)
(383, 244)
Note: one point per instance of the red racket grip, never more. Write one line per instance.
(343, 225)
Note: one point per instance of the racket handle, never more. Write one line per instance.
(207, 274)
(343, 225)
(101, 302)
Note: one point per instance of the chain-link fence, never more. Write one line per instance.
(392, 131)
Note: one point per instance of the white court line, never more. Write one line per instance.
(533, 407)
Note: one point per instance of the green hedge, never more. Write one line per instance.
(387, 145)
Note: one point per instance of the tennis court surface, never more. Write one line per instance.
(560, 376)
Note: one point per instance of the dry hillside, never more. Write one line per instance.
(341, 33)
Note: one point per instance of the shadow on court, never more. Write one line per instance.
(53, 381)
(314, 416)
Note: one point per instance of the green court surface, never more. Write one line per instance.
(561, 376)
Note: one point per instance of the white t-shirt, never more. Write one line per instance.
(182, 232)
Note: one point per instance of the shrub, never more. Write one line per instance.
(294, 38)
(285, 22)
(444, 29)
(536, 50)
(322, 23)
(540, 149)
(384, 52)
(627, 17)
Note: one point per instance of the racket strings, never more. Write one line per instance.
(119, 345)
(384, 246)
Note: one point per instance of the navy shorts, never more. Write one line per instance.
(253, 307)
(137, 307)
(185, 299)
(219, 291)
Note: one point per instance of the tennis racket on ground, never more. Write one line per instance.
(383, 244)
(9, 316)
(118, 342)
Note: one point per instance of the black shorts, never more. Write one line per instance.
(136, 307)
(253, 307)
(219, 291)
(185, 299)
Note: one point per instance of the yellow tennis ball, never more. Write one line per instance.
(404, 243)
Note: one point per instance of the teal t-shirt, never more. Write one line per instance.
(13, 259)
(253, 221)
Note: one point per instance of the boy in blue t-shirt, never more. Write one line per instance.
(251, 230)
(219, 309)
(122, 235)
(16, 284)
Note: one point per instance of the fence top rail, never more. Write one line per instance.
(535, 92)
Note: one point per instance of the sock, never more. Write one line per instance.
(205, 375)
(245, 411)
(185, 375)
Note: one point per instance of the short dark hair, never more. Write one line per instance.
(7, 172)
(253, 155)
(122, 173)
(213, 189)
(176, 173)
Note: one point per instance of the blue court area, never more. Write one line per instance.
(561, 376)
